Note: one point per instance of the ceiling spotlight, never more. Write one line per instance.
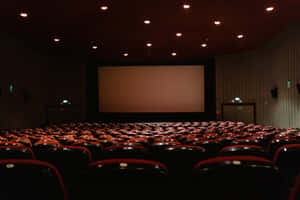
(204, 45)
(178, 34)
(217, 23)
(104, 7)
(186, 6)
(95, 47)
(56, 39)
(270, 8)
(174, 54)
(147, 22)
(149, 44)
(125, 54)
(23, 14)
(240, 36)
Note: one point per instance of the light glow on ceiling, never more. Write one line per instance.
(23, 14)
(178, 34)
(147, 22)
(186, 6)
(104, 7)
(270, 8)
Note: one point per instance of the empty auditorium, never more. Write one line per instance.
(160, 99)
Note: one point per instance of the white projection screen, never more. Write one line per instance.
(151, 89)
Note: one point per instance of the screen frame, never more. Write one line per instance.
(92, 103)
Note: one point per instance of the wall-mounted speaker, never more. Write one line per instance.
(274, 92)
(298, 87)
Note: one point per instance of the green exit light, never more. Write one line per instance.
(11, 88)
(289, 84)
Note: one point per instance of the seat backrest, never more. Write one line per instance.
(129, 171)
(238, 177)
(16, 152)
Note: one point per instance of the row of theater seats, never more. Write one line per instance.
(220, 160)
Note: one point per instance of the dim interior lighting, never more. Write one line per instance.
(123, 164)
(217, 22)
(174, 54)
(104, 7)
(149, 44)
(65, 101)
(236, 100)
(23, 14)
(125, 54)
(10, 165)
(186, 6)
(236, 162)
(204, 45)
(95, 47)
(147, 22)
(240, 36)
(56, 39)
(270, 8)
(11, 88)
(178, 34)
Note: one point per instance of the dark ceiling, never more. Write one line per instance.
(120, 29)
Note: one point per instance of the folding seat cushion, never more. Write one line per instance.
(124, 151)
(30, 179)
(16, 152)
(237, 177)
(243, 150)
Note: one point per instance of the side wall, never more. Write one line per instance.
(39, 80)
(251, 75)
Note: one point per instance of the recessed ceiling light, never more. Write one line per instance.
(149, 44)
(104, 7)
(204, 45)
(23, 14)
(186, 6)
(270, 8)
(95, 47)
(174, 54)
(56, 39)
(217, 22)
(147, 22)
(240, 36)
(178, 34)
(125, 54)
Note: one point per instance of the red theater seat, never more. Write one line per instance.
(287, 159)
(30, 179)
(237, 177)
(16, 152)
(243, 150)
(295, 192)
(126, 152)
(126, 171)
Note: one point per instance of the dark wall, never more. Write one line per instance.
(39, 80)
(92, 96)
(252, 75)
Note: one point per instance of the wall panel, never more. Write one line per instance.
(251, 75)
